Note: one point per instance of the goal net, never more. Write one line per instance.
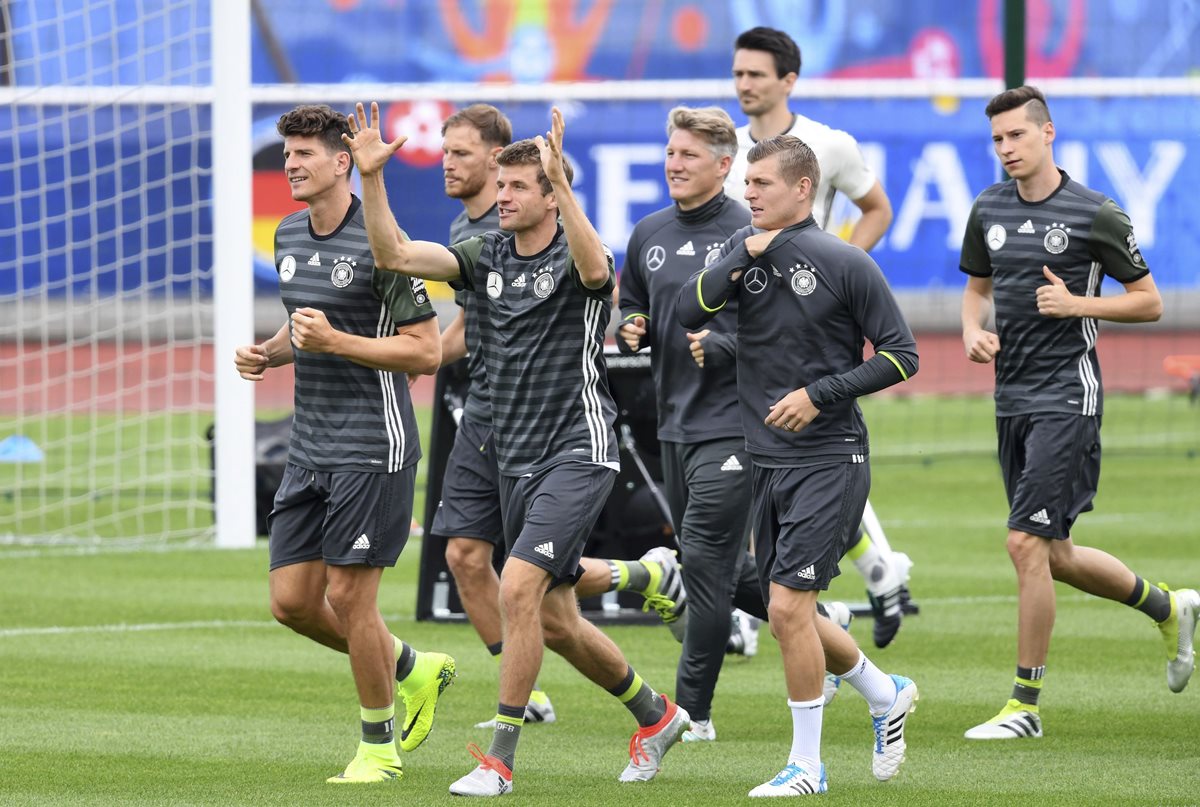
(106, 255)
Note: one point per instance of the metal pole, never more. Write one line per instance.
(1014, 43)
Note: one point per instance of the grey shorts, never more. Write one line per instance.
(345, 518)
(470, 505)
(804, 520)
(549, 515)
(1051, 467)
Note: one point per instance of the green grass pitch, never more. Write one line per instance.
(156, 677)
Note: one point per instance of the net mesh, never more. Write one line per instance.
(105, 279)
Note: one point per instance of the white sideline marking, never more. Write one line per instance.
(57, 630)
(32, 548)
(144, 627)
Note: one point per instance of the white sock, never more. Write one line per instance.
(873, 684)
(806, 734)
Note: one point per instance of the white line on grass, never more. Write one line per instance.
(219, 624)
(56, 630)
(33, 548)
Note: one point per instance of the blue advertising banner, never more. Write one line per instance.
(933, 157)
(145, 223)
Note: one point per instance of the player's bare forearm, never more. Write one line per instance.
(1134, 306)
(1141, 302)
(415, 349)
(392, 251)
(454, 339)
(279, 348)
(876, 218)
(980, 344)
(591, 260)
(383, 233)
(869, 230)
(976, 303)
(588, 252)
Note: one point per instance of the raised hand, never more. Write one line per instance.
(1055, 300)
(367, 146)
(550, 148)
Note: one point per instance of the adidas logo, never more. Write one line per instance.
(1040, 517)
(1026, 228)
(519, 283)
(546, 549)
(731, 464)
(687, 249)
(807, 573)
(362, 542)
(315, 260)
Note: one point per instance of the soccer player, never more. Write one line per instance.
(706, 470)
(343, 510)
(805, 302)
(1035, 250)
(544, 290)
(469, 511)
(766, 64)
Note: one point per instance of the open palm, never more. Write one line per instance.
(367, 146)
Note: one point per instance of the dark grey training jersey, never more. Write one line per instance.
(542, 334)
(477, 406)
(695, 404)
(805, 307)
(348, 417)
(1046, 364)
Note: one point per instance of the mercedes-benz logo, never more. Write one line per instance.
(655, 258)
(755, 280)
(495, 285)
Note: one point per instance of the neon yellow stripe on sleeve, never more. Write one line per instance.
(892, 359)
(700, 294)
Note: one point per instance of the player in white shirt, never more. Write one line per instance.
(766, 64)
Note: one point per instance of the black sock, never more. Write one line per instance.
(1150, 600)
(406, 661)
(1027, 686)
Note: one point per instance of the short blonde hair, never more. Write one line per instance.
(710, 123)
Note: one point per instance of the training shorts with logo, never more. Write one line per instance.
(1051, 467)
(549, 514)
(345, 518)
(470, 505)
(804, 520)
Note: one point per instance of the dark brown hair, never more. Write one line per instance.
(493, 125)
(782, 48)
(316, 120)
(1027, 96)
(525, 152)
